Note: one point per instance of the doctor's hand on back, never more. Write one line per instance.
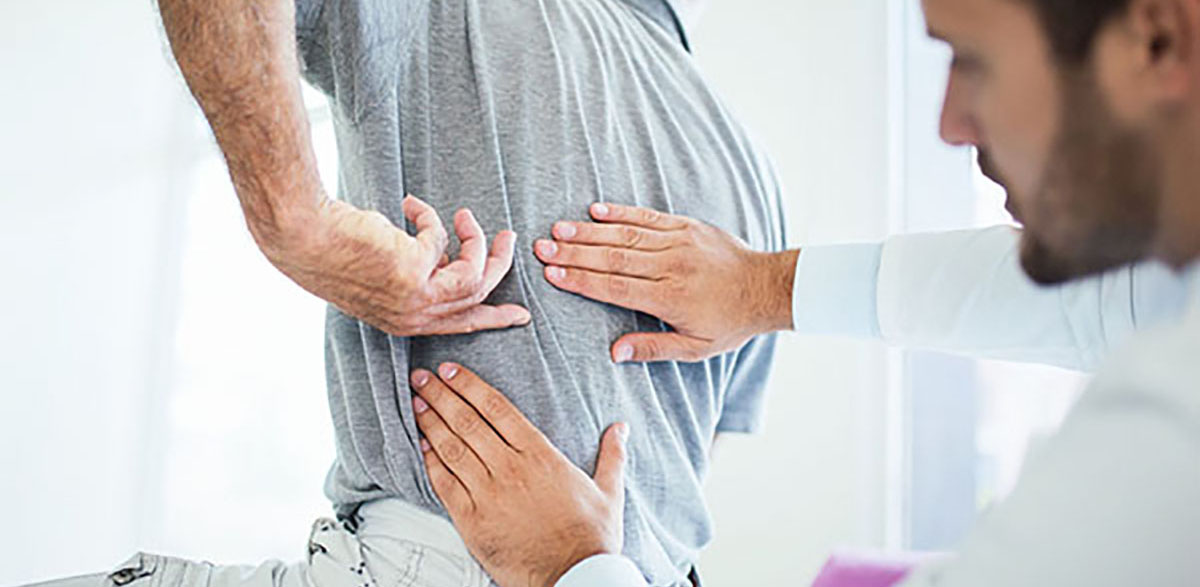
(526, 513)
(714, 291)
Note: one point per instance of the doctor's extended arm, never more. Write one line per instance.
(961, 292)
(964, 292)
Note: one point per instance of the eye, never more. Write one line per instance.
(966, 63)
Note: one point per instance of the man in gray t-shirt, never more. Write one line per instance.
(526, 112)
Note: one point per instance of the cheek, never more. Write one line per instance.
(1020, 120)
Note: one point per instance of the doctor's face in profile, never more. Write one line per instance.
(1057, 123)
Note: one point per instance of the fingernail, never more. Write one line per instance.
(623, 431)
(624, 353)
(448, 371)
(600, 210)
(420, 378)
(425, 446)
(556, 273)
(565, 230)
(420, 405)
(547, 248)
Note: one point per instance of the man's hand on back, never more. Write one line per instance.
(525, 511)
(239, 60)
(370, 269)
(708, 285)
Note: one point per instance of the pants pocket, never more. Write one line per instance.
(150, 570)
(139, 566)
(335, 558)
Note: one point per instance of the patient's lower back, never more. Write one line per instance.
(527, 112)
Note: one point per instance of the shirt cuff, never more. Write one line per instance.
(834, 291)
(603, 570)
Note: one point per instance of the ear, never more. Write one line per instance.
(1167, 46)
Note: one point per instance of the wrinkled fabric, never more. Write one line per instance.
(527, 112)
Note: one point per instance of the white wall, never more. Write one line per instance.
(88, 117)
(811, 79)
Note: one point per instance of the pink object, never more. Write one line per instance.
(866, 570)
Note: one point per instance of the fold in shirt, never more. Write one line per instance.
(527, 112)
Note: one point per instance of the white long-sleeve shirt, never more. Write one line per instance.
(965, 292)
(1114, 497)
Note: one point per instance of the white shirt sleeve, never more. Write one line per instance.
(965, 292)
(1113, 499)
(604, 570)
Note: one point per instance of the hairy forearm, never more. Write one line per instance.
(771, 290)
(239, 60)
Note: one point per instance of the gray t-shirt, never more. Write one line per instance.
(528, 111)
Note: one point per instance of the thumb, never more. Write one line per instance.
(644, 347)
(610, 465)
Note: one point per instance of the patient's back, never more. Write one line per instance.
(527, 111)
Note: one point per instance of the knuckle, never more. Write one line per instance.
(374, 216)
(466, 424)
(630, 236)
(674, 289)
(458, 284)
(693, 231)
(471, 285)
(512, 469)
(496, 408)
(618, 288)
(679, 265)
(453, 452)
(618, 260)
(650, 216)
(649, 349)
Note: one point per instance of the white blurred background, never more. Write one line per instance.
(161, 386)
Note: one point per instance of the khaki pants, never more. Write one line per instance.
(395, 545)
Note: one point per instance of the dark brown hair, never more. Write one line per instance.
(1072, 25)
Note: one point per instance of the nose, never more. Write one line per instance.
(957, 126)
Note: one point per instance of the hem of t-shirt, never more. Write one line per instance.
(740, 423)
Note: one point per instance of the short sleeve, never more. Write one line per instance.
(307, 15)
(745, 402)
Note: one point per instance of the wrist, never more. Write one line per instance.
(288, 229)
(551, 578)
(773, 277)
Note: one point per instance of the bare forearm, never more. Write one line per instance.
(239, 60)
(771, 301)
